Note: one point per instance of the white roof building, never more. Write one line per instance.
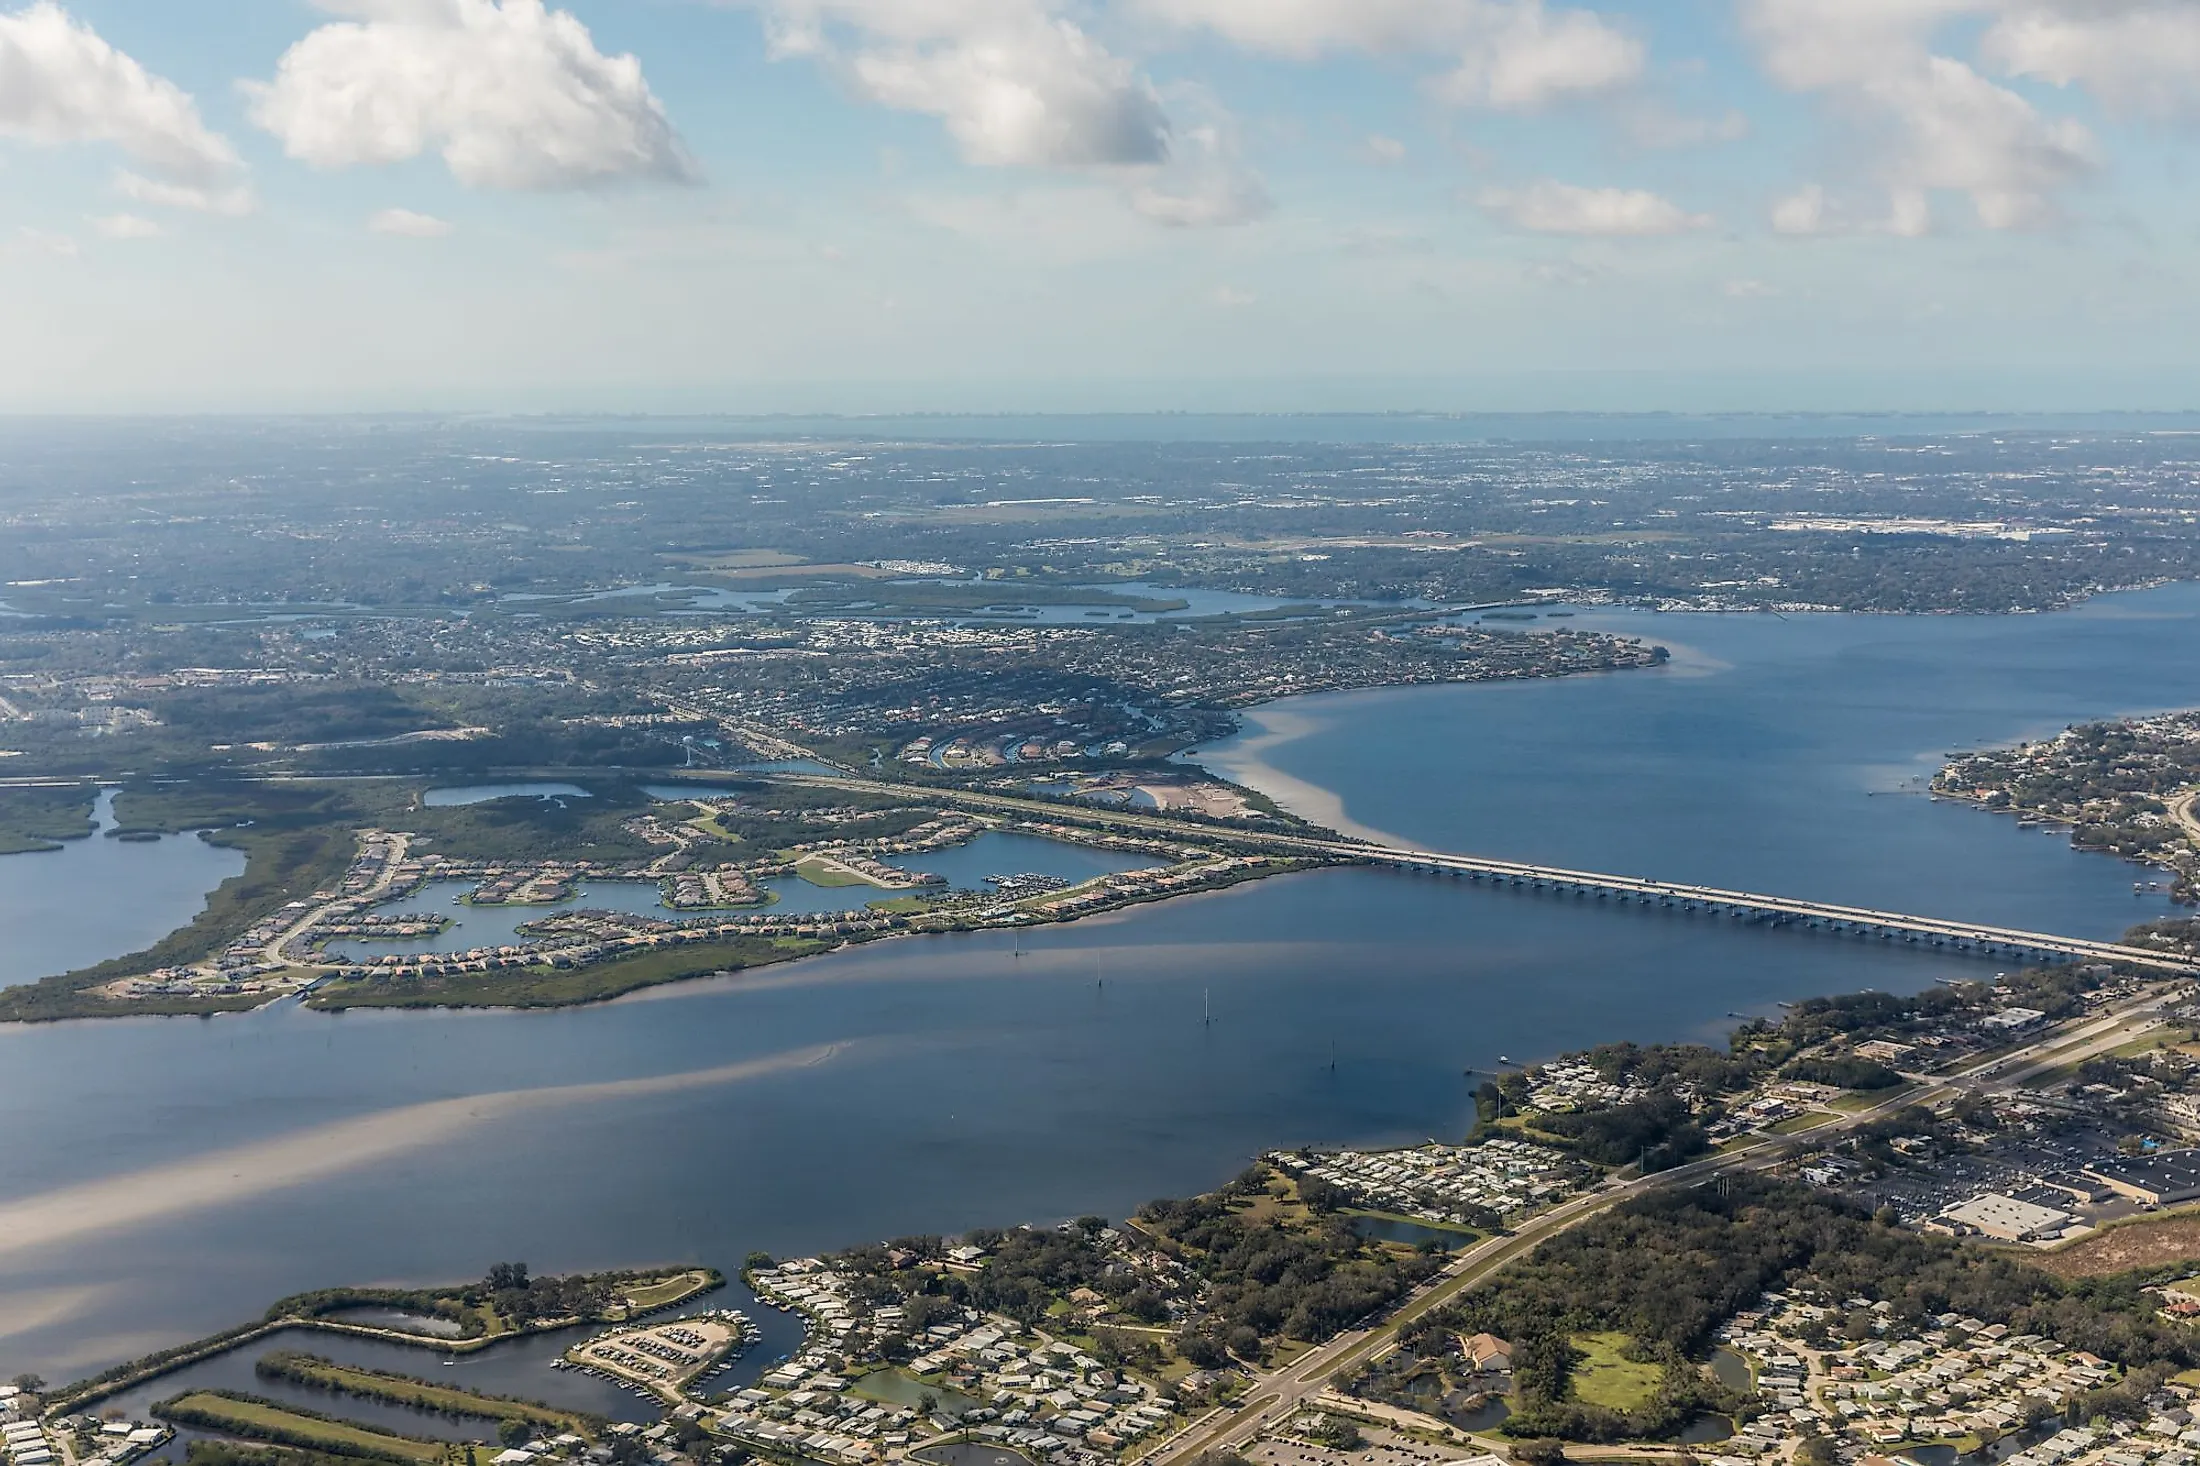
(2007, 1219)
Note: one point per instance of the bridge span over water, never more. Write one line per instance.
(1887, 926)
(1744, 906)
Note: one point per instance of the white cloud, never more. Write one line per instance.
(406, 224)
(1933, 123)
(2136, 56)
(230, 200)
(1385, 149)
(1532, 58)
(1804, 212)
(127, 226)
(1509, 55)
(1550, 207)
(1205, 183)
(1015, 84)
(1230, 297)
(513, 95)
(1751, 290)
(61, 83)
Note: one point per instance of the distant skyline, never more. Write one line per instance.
(1099, 205)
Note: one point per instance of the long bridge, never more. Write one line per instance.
(1745, 906)
(1886, 926)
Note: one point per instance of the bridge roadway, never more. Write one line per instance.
(1889, 926)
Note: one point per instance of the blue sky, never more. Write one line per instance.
(971, 205)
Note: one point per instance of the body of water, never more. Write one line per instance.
(97, 897)
(964, 866)
(484, 793)
(1780, 755)
(519, 1367)
(164, 1178)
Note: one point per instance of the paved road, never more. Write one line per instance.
(274, 951)
(2186, 811)
(1275, 1395)
(1914, 928)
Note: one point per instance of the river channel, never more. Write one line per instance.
(163, 1178)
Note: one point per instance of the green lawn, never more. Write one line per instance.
(817, 873)
(260, 1420)
(1797, 1124)
(1607, 1377)
(645, 1296)
(1858, 1101)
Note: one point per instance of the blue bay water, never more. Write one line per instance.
(97, 898)
(941, 1083)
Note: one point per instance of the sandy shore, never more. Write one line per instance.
(1245, 760)
(226, 1177)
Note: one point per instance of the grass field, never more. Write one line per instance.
(1607, 1377)
(260, 1420)
(2119, 1248)
(1797, 1124)
(643, 1296)
(817, 873)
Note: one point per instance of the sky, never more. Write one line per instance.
(1105, 205)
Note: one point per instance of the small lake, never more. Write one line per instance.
(1733, 1370)
(892, 1387)
(1412, 1234)
(98, 897)
(392, 1318)
(484, 793)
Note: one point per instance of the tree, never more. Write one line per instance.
(927, 1403)
(30, 1384)
(514, 1431)
(1817, 1450)
(507, 1277)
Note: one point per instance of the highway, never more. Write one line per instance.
(1276, 1394)
(1890, 926)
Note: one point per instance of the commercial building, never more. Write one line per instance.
(2159, 1179)
(2007, 1219)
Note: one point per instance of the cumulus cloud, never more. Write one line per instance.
(1804, 212)
(2136, 56)
(1019, 85)
(1507, 55)
(1550, 207)
(1015, 84)
(1933, 122)
(61, 83)
(511, 94)
(406, 224)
